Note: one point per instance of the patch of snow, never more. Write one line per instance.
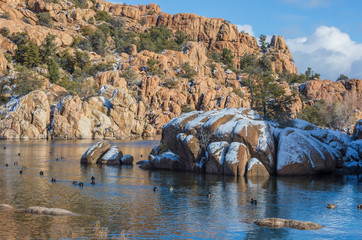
(111, 154)
(218, 149)
(107, 103)
(252, 162)
(231, 156)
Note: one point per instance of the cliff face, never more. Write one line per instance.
(129, 98)
(214, 33)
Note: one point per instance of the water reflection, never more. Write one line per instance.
(122, 198)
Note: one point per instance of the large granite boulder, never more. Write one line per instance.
(238, 142)
(217, 142)
(307, 152)
(93, 154)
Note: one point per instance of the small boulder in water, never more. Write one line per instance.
(5, 207)
(280, 222)
(94, 153)
(49, 211)
(127, 160)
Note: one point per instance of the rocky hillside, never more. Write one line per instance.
(92, 69)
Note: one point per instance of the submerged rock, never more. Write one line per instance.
(49, 211)
(280, 222)
(5, 207)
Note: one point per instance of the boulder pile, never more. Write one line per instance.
(105, 154)
(238, 142)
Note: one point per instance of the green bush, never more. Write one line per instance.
(216, 56)
(313, 114)
(28, 55)
(67, 61)
(157, 39)
(19, 38)
(26, 81)
(82, 43)
(45, 19)
(70, 85)
(186, 108)
(130, 76)
(5, 32)
(181, 38)
(98, 41)
(100, 67)
(103, 16)
(83, 4)
(187, 71)
(170, 83)
(153, 67)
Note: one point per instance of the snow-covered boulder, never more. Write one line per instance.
(218, 142)
(112, 156)
(94, 153)
(302, 152)
(353, 158)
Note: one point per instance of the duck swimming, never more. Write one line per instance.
(331, 206)
(53, 180)
(81, 184)
(93, 178)
(254, 201)
(209, 195)
(155, 189)
(41, 173)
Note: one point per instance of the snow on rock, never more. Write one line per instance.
(256, 168)
(300, 153)
(112, 156)
(353, 157)
(94, 153)
(357, 132)
(224, 142)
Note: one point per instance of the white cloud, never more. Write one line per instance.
(246, 28)
(328, 51)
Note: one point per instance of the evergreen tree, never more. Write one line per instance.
(227, 57)
(263, 44)
(28, 54)
(49, 48)
(53, 70)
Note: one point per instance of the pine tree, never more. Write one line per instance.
(53, 70)
(28, 54)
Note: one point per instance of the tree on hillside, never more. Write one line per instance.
(227, 58)
(53, 70)
(342, 77)
(28, 54)
(249, 65)
(263, 44)
(311, 75)
(48, 48)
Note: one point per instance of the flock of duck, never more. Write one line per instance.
(155, 189)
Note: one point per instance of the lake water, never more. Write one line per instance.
(123, 200)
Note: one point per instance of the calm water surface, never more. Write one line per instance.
(123, 200)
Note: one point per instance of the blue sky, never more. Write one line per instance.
(323, 34)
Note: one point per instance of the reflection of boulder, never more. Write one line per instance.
(237, 142)
(279, 223)
(353, 157)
